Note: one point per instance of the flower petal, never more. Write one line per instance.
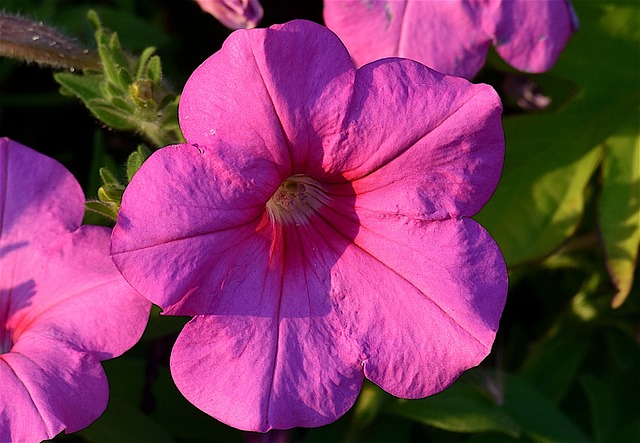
(531, 38)
(288, 311)
(265, 373)
(210, 199)
(424, 299)
(56, 388)
(419, 30)
(63, 305)
(37, 194)
(17, 422)
(432, 142)
(277, 113)
(453, 36)
(72, 286)
(276, 355)
(234, 14)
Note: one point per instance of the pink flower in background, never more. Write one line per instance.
(316, 225)
(234, 14)
(453, 36)
(63, 305)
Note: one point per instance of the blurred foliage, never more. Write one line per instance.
(566, 214)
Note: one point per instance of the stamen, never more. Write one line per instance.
(296, 200)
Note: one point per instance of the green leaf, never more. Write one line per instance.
(541, 196)
(463, 407)
(561, 355)
(86, 88)
(603, 408)
(619, 205)
(112, 116)
(551, 156)
(539, 417)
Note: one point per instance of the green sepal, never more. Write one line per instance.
(93, 19)
(108, 177)
(124, 78)
(123, 105)
(154, 69)
(142, 62)
(111, 192)
(106, 57)
(108, 210)
(136, 159)
(117, 53)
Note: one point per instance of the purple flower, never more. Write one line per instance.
(234, 14)
(63, 305)
(453, 36)
(316, 226)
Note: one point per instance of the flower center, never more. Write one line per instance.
(296, 199)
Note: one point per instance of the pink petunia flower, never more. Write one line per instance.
(316, 227)
(63, 305)
(453, 36)
(234, 14)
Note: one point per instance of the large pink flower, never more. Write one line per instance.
(63, 305)
(316, 227)
(453, 36)
(234, 14)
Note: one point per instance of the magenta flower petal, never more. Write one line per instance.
(220, 214)
(315, 228)
(234, 14)
(530, 37)
(390, 298)
(281, 114)
(449, 126)
(454, 36)
(57, 388)
(63, 305)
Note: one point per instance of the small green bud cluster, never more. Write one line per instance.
(110, 193)
(126, 92)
